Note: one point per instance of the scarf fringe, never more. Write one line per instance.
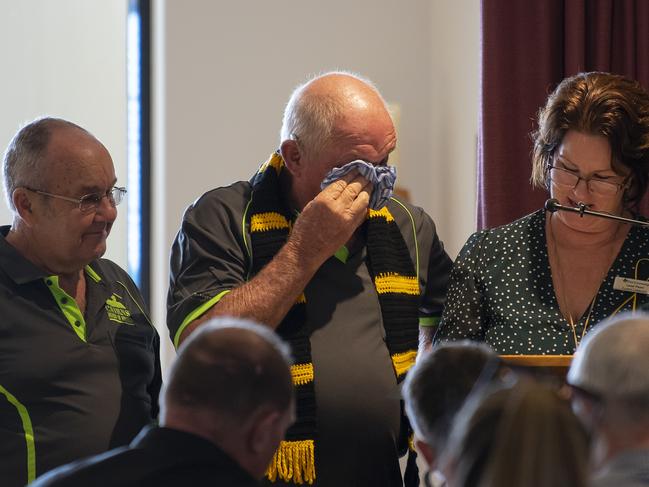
(294, 461)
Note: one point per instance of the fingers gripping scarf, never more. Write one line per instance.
(397, 286)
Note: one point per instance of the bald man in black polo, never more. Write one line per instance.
(79, 357)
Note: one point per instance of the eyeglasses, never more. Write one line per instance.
(90, 202)
(564, 177)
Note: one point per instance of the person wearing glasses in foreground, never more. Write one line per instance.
(537, 285)
(79, 358)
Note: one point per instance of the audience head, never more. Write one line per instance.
(437, 386)
(231, 383)
(59, 181)
(600, 104)
(521, 435)
(610, 385)
(328, 122)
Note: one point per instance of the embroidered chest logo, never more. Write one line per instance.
(117, 312)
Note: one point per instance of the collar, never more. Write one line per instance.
(182, 446)
(22, 270)
(12, 262)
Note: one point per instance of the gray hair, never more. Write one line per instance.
(612, 363)
(311, 119)
(433, 395)
(230, 367)
(24, 155)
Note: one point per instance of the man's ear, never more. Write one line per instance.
(265, 432)
(292, 157)
(23, 203)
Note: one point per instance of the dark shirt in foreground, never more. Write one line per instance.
(158, 457)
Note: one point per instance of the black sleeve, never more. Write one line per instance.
(463, 316)
(209, 255)
(436, 271)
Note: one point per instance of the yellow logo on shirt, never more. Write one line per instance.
(117, 312)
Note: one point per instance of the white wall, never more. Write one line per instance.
(455, 89)
(224, 70)
(67, 59)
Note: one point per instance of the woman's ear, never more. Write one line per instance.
(629, 191)
(292, 157)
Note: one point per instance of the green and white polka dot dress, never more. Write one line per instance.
(501, 290)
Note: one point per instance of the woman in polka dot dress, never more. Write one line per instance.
(537, 285)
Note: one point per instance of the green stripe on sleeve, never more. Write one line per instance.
(28, 430)
(342, 254)
(197, 313)
(429, 321)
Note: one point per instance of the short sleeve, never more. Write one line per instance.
(428, 254)
(435, 272)
(209, 255)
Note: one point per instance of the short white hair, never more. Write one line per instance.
(312, 120)
(613, 360)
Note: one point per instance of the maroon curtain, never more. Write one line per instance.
(528, 47)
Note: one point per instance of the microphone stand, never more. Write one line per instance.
(552, 205)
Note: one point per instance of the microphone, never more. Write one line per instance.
(552, 205)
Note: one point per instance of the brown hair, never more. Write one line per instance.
(523, 435)
(603, 104)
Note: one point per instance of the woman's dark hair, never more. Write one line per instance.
(603, 104)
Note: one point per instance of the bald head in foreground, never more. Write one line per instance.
(316, 246)
(610, 386)
(224, 410)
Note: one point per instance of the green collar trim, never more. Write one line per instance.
(93, 275)
(68, 306)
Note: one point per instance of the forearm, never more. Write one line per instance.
(270, 294)
(326, 223)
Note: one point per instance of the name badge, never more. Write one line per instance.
(631, 285)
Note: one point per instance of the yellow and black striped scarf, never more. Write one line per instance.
(394, 276)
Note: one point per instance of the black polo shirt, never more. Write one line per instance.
(72, 384)
(357, 396)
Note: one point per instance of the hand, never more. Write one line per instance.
(329, 220)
